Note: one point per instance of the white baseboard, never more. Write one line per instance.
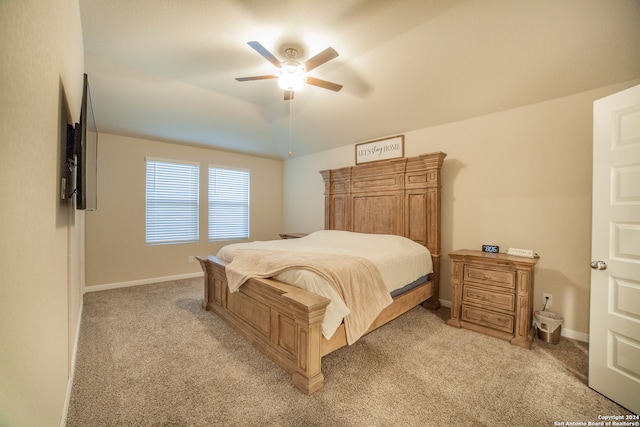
(67, 399)
(574, 335)
(107, 286)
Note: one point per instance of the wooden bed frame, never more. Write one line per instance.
(401, 197)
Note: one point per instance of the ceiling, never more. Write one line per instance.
(165, 70)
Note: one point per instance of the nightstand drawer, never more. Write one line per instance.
(501, 322)
(502, 278)
(472, 294)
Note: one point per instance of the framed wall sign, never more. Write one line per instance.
(380, 149)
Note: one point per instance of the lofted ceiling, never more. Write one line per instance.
(165, 69)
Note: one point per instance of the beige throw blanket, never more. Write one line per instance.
(356, 279)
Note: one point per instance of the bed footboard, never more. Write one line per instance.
(282, 321)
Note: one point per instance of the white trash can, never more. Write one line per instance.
(549, 326)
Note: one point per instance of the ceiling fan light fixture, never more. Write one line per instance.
(292, 76)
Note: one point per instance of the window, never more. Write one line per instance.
(172, 202)
(228, 204)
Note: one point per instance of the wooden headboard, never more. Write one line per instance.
(400, 196)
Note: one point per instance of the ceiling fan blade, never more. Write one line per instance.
(265, 53)
(324, 84)
(244, 79)
(288, 95)
(326, 55)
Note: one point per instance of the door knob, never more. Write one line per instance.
(598, 265)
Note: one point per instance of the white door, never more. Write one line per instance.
(614, 330)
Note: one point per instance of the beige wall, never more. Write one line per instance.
(518, 178)
(116, 252)
(41, 236)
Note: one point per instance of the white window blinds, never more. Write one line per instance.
(172, 202)
(228, 204)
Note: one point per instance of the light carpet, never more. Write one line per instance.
(151, 356)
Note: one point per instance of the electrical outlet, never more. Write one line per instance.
(190, 259)
(547, 299)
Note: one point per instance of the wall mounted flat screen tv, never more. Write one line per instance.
(85, 151)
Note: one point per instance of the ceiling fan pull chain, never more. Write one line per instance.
(290, 125)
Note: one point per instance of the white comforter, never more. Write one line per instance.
(400, 261)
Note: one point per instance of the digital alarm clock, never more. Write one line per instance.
(491, 249)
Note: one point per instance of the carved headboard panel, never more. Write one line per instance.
(400, 196)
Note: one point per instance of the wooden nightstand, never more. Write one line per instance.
(292, 235)
(493, 294)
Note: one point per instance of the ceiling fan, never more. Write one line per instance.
(292, 74)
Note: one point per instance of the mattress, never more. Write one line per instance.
(400, 261)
